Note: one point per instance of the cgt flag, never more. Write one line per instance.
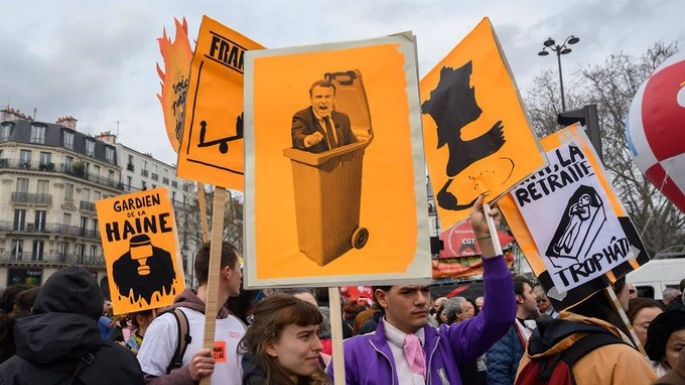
(569, 223)
(138, 233)
(476, 133)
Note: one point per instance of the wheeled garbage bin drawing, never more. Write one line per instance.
(328, 185)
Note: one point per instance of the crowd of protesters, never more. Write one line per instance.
(65, 333)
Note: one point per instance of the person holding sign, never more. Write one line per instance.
(405, 350)
(319, 128)
(282, 345)
(157, 353)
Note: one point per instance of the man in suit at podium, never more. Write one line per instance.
(318, 128)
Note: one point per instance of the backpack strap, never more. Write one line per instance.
(588, 344)
(85, 361)
(183, 339)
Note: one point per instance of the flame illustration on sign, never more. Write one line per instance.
(177, 57)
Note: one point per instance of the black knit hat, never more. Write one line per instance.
(660, 329)
(70, 290)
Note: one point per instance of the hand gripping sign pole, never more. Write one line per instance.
(336, 334)
(211, 305)
(493, 230)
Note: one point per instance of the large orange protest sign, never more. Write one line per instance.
(138, 233)
(212, 147)
(335, 177)
(477, 137)
(177, 57)
(569, 223)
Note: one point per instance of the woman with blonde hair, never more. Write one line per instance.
(282, 345)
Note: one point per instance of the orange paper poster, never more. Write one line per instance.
(476, 133)
(335, 177)
(569, 223)
(138, 233)
(177, 57)
(212, 148)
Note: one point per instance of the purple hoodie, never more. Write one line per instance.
(369, 361)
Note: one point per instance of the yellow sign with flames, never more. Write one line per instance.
(138, 233)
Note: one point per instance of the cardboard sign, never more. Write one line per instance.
(177, 57)
(476, 133)
(569, 223)
(335, 177)
(138, 233)
(212, 147)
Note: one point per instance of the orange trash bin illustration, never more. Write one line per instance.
(329, 140)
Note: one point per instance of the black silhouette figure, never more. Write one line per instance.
(452, 105)
(223, 142)
(143, 270)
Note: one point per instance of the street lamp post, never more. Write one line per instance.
(559, 50)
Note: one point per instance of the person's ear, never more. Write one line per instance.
(382, 298)
(271, 350)
(519, 299)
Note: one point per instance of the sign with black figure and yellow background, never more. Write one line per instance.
(477, 137)
(212, 147)
(138, 233)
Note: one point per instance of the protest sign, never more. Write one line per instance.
(138, 234)
(177, 57)
(335, 177)
(477, 137)
(569, 223)
(212, 147)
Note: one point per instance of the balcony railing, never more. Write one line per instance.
(55, 259)
(87, 206)
(26, 197)
(51, 229)
(64, 168)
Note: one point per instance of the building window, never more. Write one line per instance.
(41, 215)
(90, 147)
(130, 181)
(25, 158)
(19, 220)
(22, 185)
(84, 225)
(66, 219)
(110, 175)
(67, 164)
(38, 250)
(174, 184)
(94, 221)
(96, 170)
(144, 185)
(97, 195)
(17, 249)
(85, 194)
(109, 155)
(69, 192)
(43, 186)
(37, 133)
(154, 176)
(46, 161)
(62, 248)
(165, 181)
(93, 254)
(68, 140)
(5, 131)
(81, 252)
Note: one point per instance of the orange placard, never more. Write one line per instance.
(177, 57)
(219, 352)
(350, 205)
(212, 147)
(476, 134)
(585, 239)
(138, 234)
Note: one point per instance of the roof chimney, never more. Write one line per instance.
(67, 121)
(107, 137)
(9, 114)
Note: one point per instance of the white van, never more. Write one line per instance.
(663, 271)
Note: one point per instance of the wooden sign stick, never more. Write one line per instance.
(336, 335)
(609, 292)
(211, 305)
(493, 230)
(202, 203)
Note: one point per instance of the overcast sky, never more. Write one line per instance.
(95, 60)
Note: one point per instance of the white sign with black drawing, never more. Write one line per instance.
(570, 218)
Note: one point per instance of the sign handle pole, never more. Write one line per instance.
(609, 292)
(336, 335)
(202, 203)
(493, 230)
(211, 305)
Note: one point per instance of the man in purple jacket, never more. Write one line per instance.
(405, 350)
